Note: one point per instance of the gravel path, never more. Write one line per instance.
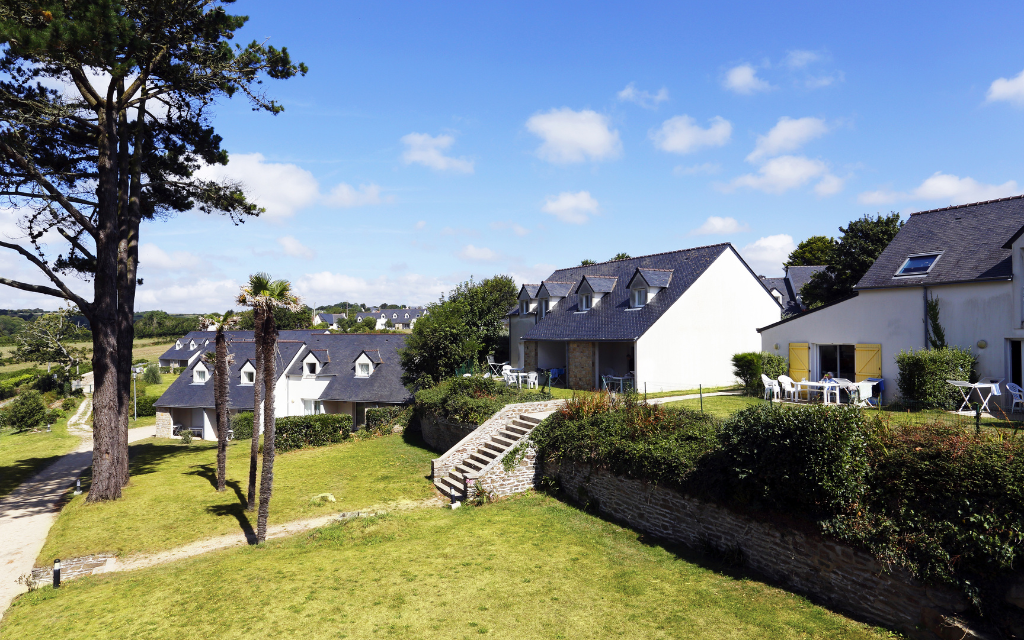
(692, 396)
(28, 512)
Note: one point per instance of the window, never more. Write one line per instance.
(545, 306)
(364, 369)
(312, 407)
(917, 265)
(524, 307)
(585, 301)
(838, 359)
(200, 375)
(248, 377)
(311, 368)
(639, 298)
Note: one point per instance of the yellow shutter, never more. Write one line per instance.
(868, 361)
(798, 360)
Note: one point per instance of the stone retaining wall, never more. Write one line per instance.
(842, 577)
(164, 424)
(73, 568)
(496, 481)
(441, 434)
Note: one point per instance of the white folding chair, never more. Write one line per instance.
(1018, 396)
(771, 388)
(788, 388)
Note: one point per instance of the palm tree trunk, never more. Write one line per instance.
(220, 401)
(257, 408)
(267, 477)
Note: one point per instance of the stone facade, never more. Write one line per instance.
(845, 578)
(74, 568)
(441, 434)
(530, 355)
(581, 365)
(164, 424)
(496, 481)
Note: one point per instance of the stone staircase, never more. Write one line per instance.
(485, 457)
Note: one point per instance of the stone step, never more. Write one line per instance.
(521, 431)
(526, 426)
(504, 443)
(483, 461)
(472, 464)
(513, 437)
(463, 469)
(535, 418)
(455, 485)
(486, 453)
(493, 446)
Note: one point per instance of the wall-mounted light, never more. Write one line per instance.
(982, 344)
(776, 346)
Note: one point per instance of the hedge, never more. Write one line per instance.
(922, 376)
(383, 419)
(471, 400)
(241, 425)
(295, 432)
(145, 406)
(749, 366)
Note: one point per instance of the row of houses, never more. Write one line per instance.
(399, 318)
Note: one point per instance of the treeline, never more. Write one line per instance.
(356, 307)
(158, 324)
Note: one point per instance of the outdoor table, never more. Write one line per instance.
(826, 388)
(618, 379)
(520, 375)
(985, 384)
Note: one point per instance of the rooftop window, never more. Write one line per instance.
(918, 265)
(248, 377)
(639, 298)
(311, 368)
(586, 300)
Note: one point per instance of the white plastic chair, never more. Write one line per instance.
(531, 380)
(788, 388)
(771, 387)
(1018, 396)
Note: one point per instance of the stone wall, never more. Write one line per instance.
(842, 577)
(581, 365)
(73, 568)
(164, 424)
(529, 355)
(496, 481)
(441, 434)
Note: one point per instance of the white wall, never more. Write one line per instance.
(694, 341)
(894, 318)
(518, 325)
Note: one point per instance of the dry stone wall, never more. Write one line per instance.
(73, 568)
(530, 355)
(845, 578)
(441, 434)
(164, 424)
(581, 365)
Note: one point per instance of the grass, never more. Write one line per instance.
(529, 567)
(172, 500)
(718, 406)
(149, 348)
(559, 393)
(24, 454)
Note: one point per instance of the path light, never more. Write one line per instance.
(56, 573)
(78, 487)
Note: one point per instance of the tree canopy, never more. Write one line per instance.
(859, 245)
(812, 252)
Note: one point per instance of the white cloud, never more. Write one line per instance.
(743, 80)
(799, 59)
(787, 135)
(829, 185)
(427, 150)
(292, 247)
(781, 174)
(153, 259)
(284, 189)
(410, 288)
(525, 274)
(716, 226)
(344, 195)
(819, 82)
(573, 208)
(421, 224)
(191, 296)
(707, 168)
(1008, 90)
(682, 134)
(947, 188)
(766, 255)
(519, 230)
(478, 254)
(574, 136)
(645, 99)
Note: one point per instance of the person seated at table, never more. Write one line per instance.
(827, 378)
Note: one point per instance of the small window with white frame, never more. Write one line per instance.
(363, 369)
(917, 265)
(200, 376)
(311, 368)
(545, 307)
(586, 300)
(639, 298)
(524, 307)
(248, 377)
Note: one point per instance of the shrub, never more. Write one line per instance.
(295, 432)
(152, 374)
(68, 404)
(241, 425)
(54, 416)
(381, 420)
(922, 376)
(186, 436)
(749, 366)
(470, 400)
(27, 411)
(145, 406)
(809, 460)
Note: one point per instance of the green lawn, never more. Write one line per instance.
(557, 392)
(23, 454)
(171, 499)
(718, 406)
(529, 567)
(149, 348)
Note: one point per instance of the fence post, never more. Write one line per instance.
(977, 418)
(700, 390)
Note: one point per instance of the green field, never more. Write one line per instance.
(149, 348)
(528, 567)
(172, 500)
(718, 406)
(23, 454)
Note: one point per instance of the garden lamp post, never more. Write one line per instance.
(135, 391)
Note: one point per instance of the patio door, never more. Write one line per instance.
(1016, 374)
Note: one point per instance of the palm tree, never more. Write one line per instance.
(221, 362)
(264, 295)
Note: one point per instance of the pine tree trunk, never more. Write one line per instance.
(267, 477)
(257, 410)
(220, 399)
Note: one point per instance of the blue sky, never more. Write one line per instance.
(429, 143)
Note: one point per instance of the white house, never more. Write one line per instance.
(318, 373)
(400, 318)
(673, 319)
(968, 257)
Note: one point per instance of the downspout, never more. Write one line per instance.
(924, 291)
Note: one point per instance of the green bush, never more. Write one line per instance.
(152, 374)
(381, 420)
(470, 400)
(296, 432)
(922, 376)
(53, 416)
(68, 404)
(27, 411)
(749, 366)
(241, 424)
(145, 406)
(808, 460)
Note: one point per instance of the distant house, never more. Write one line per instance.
(400, 318)
(186, 349)
(967, 257)
(672, 320)
(787, 288)
(319, 373)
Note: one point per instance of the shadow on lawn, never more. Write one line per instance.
(238, 511)
(144, 458)
(11, 476)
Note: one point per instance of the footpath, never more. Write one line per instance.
(28, 512)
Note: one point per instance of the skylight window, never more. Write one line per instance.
(918, 265)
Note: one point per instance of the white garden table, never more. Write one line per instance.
(991, 385)
(826, 388)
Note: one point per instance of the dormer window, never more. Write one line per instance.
(248, 377)
(177, 345)
(363, 370)
(199, 375)
(524, 307)
(586, 299)
(639, 298)
(918, 265)
(545, 306)
(311, 368)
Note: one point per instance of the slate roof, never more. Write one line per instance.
(611, 318)
(598, 284)
(653, 277)
(202, 336)
(557, 288)
(337, 352)
(530, 289)
(789, 286)
(973, 240)
(414, 312)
